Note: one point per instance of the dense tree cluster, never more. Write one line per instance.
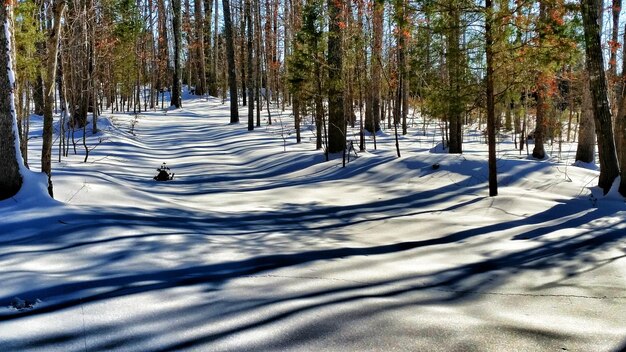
(535, 69)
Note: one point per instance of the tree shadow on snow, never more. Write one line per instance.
(456, 284)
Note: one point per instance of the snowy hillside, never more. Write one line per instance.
(259, 244)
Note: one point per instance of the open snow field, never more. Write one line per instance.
(251, 247)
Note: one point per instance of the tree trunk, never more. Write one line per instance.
(540, 120)
(10, 177)
(250, 78)
(453, 62)
(609, 169)
(51, 70)
(336, 123)
(230, 57)
(242, 58)
(491, 123)
(372, 117)
(585, 151)
(620, 129)
(201, 77)
(177, 78)
(208, 49)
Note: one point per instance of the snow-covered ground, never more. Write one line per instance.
(258, 244)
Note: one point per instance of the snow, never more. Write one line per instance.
(257, 245)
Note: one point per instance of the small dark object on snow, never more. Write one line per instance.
(19, 304)
(435, 166)
(163, 174)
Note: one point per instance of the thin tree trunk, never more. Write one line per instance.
(230, 53)
(176, 99)
(585, 151)
(249, 35)
(620, 128)
(201, 60)
(51, 69)
(372, 120)
(491, 131)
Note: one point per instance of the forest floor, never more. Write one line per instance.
(259, 244)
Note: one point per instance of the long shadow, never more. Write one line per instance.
(459, 283)
(219, 273)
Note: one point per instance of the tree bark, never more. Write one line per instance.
(199, 21)
(609, 169)
(51, 70)
(491, 123)
(249, 76)
(230, 57)
(453, 62)
(10, 177)
(585, 151)
(336, 123)
(177, 78)
(620, 128)
(372, 117)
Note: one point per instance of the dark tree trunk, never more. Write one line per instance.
(585, 151)
(372, 117)
(208, 50)
(230, 57)
(609, 169)
(38, 95)
(201, 77)
(453, 58)
(250, 78)
(51, 70)
(336, 123)
(540, 120)
(541, 84)
(620, 129)
(491, 123)
(177, 79)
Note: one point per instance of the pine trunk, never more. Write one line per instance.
(201, 60)
(373, 116)
(250, 78)
(51, 69)
(230, 57)
(177, 78)
(585, 151)
(491, 123)
(336, 123)
(609, 169)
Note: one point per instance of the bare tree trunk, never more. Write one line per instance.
(176, 99)
(540, 121)
(10, 177)
(257, 66)
(620, 129)
(585, 151)
(491, 123)
(242, 53)
(336, 124)
(230, 53)
(609, 169)
(249, 35)
(51, 69)
(201, 77)
(542, 91)
(208, 49)
(372, 120)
